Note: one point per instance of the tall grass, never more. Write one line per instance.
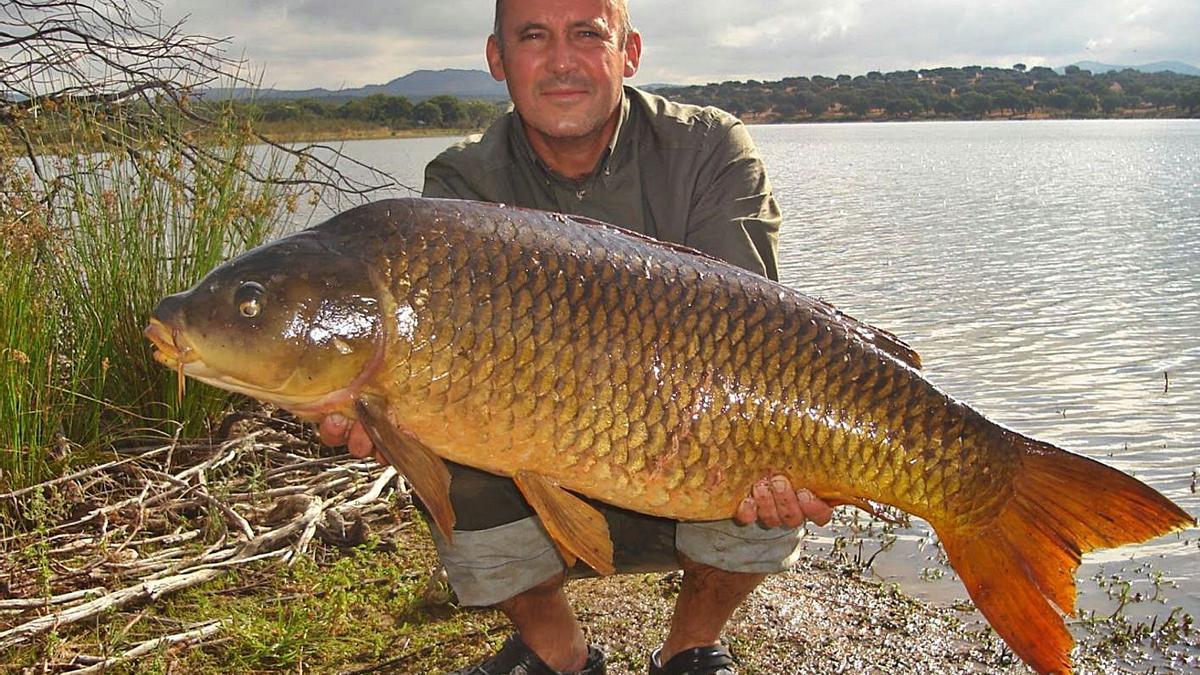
(89, 248)
(28, 321)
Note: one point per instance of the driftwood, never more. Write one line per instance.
(157, 520)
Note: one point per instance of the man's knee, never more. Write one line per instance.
(486, 567)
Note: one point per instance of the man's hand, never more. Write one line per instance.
(336, 430)
(773, 503)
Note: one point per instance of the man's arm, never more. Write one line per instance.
(734, 216)
(442, 180)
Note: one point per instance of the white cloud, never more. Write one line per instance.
(308, 43)
(820, 22)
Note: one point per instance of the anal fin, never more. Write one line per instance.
(576, 527)
(425, 471)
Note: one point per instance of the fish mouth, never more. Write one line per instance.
(171, 350)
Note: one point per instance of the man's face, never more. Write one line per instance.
(564, 62)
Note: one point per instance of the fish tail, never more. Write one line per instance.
(1020, 566)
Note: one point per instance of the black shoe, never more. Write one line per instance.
(710, 660)
(514, 658)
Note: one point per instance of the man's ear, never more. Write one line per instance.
(494, 59)
(633, 53)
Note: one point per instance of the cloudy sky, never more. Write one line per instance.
(298, 44)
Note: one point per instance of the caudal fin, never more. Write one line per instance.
(1021, 566)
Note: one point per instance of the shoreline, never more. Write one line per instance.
(382, 133)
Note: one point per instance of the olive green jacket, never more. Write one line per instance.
(679, 173)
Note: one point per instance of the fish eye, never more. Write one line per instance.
(249, 299)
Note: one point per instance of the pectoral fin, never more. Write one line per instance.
(425, 471)
(577, 528)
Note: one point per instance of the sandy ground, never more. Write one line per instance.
(811, 620)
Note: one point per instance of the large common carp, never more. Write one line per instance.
(572, 355)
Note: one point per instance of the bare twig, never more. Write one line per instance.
(80, 474)
(144, 503)
(22, 604)
(195, 634)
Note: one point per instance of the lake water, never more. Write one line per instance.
(1047, 272)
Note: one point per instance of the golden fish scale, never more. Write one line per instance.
(655, 379)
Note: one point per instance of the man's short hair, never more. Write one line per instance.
(624, 27)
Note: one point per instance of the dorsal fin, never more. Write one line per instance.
(885, 341)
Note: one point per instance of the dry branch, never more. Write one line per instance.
(123, 57)
(156, 524)
(196, 634)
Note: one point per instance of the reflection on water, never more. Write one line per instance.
(1048, 273)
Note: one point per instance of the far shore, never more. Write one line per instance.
(361, 134)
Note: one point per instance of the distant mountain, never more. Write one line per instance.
(421, 84)
(655, 86)
(416, 86)
(1156, 67)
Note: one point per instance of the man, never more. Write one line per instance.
(578, 141)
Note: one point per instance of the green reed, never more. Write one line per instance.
(89, 248)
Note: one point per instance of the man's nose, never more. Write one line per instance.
(563, 57)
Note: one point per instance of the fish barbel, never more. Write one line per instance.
(580, 358)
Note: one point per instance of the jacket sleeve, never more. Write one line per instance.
(734, 215)
(443, 180)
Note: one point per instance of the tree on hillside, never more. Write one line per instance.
(947, 106)
(391, 111)
(902, 107)
(856, 104)
(1084, 103)
(1059, 101)
(953, 92)
(481, 113)
(454, 111)
(1110, 101)
(1160, 98)
(1008, 98)
(975, 104)
(1190, 100)
(428, 114)
(816, 105)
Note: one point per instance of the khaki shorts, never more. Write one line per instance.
(501, 549)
